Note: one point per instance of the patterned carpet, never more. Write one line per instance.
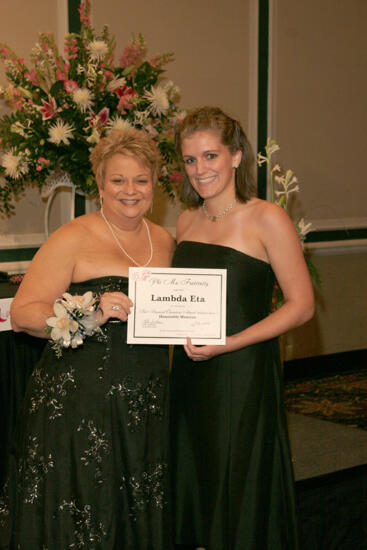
(341, 398)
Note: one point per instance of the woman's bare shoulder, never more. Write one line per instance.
(185, 220)
(265, 212)
(161, 233)
(66, 241)
(76, 229)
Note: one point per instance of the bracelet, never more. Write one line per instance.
(75, 318)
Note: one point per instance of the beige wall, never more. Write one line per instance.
(212, 42)
(20, 23)
(340, 322)
(318, 116)
(318, 113)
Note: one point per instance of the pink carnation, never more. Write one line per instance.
(84, 14)
(32, 77)
(70, 86)
(61, 76)
(155, 61)
(5, 51)
(131, 55)
(175, 176)
(41, 163)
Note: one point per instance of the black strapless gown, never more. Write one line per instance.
(89, 469)
(232, 471)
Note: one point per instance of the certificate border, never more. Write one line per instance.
(183, 339)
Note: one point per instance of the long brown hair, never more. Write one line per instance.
(232, 135)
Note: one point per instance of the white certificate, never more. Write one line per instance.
(171, 304)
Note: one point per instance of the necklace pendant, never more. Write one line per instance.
(221, 214)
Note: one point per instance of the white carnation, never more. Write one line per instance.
(158, 99)
(15, 165)
(60, 132)
(118, 123)
(98, 50)
(83, 98)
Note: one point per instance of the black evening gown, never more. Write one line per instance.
(89, 467)
(232, 471)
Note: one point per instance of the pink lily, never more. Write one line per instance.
(49, 108)
(99, 120)
(125, 94)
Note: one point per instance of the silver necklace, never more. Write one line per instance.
(221, 214)
(122, 248)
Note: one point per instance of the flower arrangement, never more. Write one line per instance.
(65, 104)
(282, 185)
(74, 320)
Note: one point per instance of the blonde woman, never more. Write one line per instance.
(90, 461)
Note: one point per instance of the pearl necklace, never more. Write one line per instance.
(122, 248)
(221, 214)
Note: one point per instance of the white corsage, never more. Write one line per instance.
(75, 318)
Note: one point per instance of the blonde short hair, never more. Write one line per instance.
(130, 142)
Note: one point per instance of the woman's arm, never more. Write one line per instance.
(47, 277)
(285, 254)
(50, 274)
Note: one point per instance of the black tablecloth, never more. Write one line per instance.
(19, 353)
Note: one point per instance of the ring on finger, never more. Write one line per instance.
(115, 307)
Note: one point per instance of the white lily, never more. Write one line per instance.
(84, 302)
(116, 83)
(303, 228)
(94, 137)
(261, 159)
(287, 191)
(276, 168)
(271, 147)
(76, 341)
(62, 326)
